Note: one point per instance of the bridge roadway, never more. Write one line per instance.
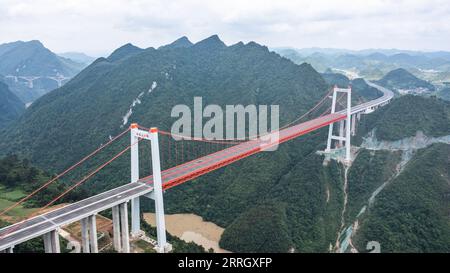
(44, 223)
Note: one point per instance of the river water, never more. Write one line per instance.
(192, 228)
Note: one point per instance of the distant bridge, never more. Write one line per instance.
(30, 79)
(47, 224)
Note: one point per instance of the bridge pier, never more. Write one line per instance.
(116, 229)
(85, 235)
(93, 233)
(124, 227)
(89, 240)
(8, 250)
(51, 242)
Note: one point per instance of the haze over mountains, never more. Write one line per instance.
(31, 70)
(404, 82)
(78, 57)
(374, 64)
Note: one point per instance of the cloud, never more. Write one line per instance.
(100, 26)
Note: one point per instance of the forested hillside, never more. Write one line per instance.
(10, 106)
(68, 123)
(63, 126)
(402, 79)
(404, 116)
(412, 213)
(18, 178)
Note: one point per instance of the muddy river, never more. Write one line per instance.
(192, 228)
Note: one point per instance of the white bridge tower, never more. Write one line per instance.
(157, 193)
(345, 125)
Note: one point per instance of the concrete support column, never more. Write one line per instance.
(55, 241)
(124, 228)
(51, 242)
(85, 235)
(116, 229)
(9, 250)
(47, 243)
(353, 125)
(93, 234)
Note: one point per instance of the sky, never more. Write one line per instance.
(97, 27)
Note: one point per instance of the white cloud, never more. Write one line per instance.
(100, 26)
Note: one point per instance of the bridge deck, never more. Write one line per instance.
(46, 222)
(39, 225)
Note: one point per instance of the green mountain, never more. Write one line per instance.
(412, 214)
(399, 197)
(29, 67)
(66, 124)
(94, 105)
(281, 201)
(401, 79)
(10, 106)
(124, 52)
(404, 116)
(181, 42)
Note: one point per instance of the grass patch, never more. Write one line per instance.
(10, 197)
(11, 194)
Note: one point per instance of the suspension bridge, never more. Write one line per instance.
(215, 154)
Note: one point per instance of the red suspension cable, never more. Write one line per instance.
(62, 174)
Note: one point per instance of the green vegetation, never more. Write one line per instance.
(68, 123)
(368, 172)
(406, 115)
(18, 178)
(273, 201)
(412, 213)
(402, 79)
(9, 197)
(293, 177)
(10, 106)
(258, 225)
